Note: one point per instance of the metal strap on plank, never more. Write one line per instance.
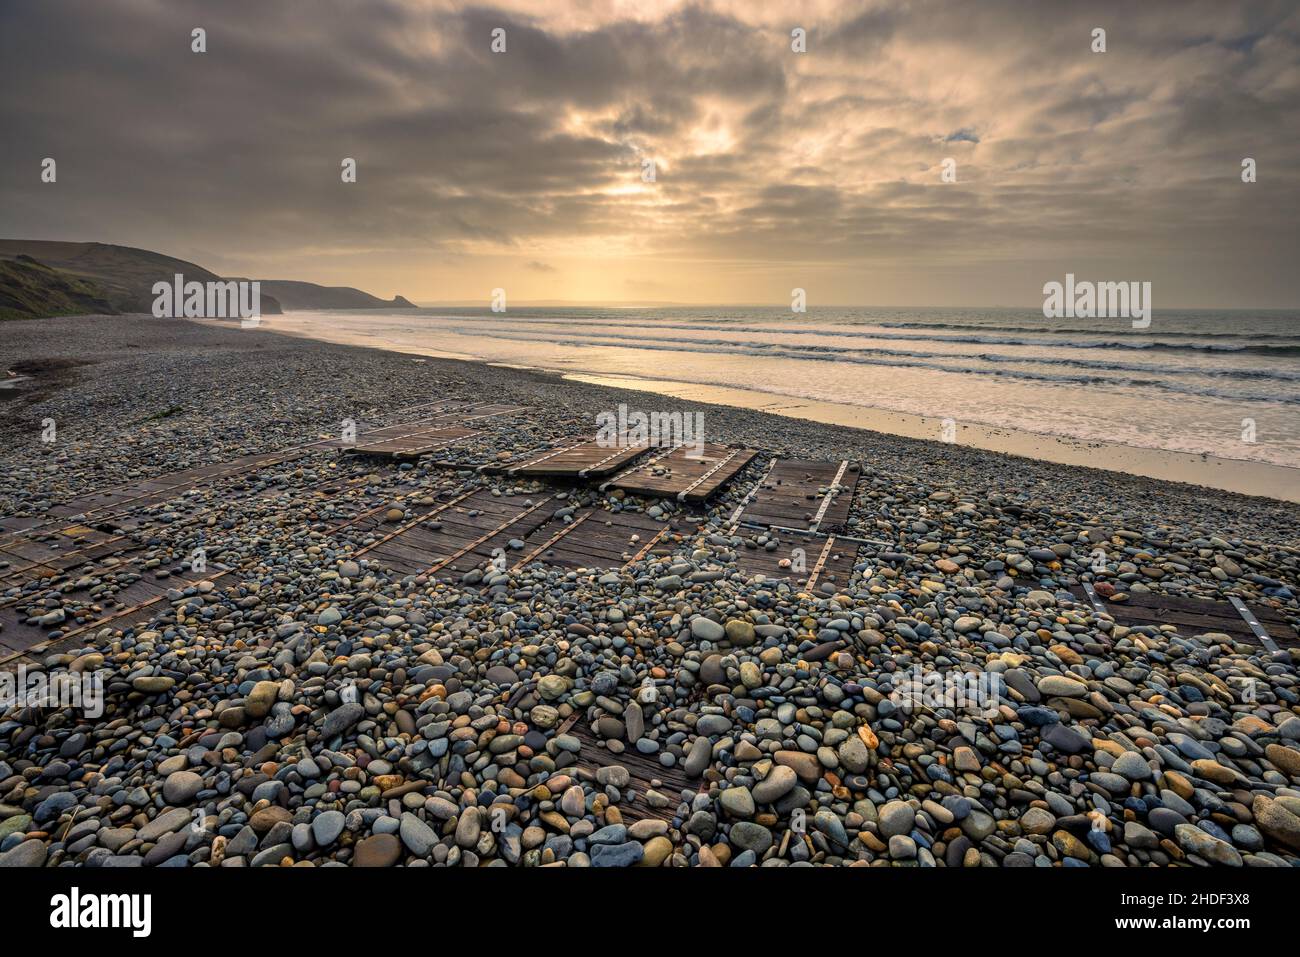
(645, 549)
(744, 502)
(1098, 605)
(649, 463)
(829, 497)
(879, 543)
(1249, 618)
(425, 516)
(439, 566)
(609, 458)
(550, 542)
(821, 563)
(681, 496)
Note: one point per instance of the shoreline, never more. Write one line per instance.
(1216, 473)
(1230, 475)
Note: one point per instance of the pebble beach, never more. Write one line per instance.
(315, 708)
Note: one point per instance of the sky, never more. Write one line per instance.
(524, 170)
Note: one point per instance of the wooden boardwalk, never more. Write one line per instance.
(111, 502)
(801, 494)
(472, 529)
(600, 539)
(54, 553)
(461, 533)
(142, 595)
(814, 560)
(645, 772)
(1197, 615)
(581, 460)
(108, 505)
(414, 439)
(409, 444)
(136, 602)
(683, 474)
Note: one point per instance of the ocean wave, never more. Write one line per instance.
(1283, 345)
(896, 360)
(816, 351)
(1082, 330)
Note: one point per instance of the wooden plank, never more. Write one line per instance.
(1198, 605)
(688, 473)
(510, 525)
(468, 522)
(1202, 615)
(597, 539)
(428, 423)
(802, 494)
(589, 459)
(643, 772)
(826, 559)
(414, 445)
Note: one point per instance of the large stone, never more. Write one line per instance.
(657, 850)
(616, 855)
(706, 629)
(258, 703)
(30, 853)
(181, 786)
(740, 632)
(965, 760)
(1286, 760)
(468, 827)
(1132, 766)
(853, 754)
(553, 687)
(1063, 739)
(779, 782)
(326, 827)
(896, 817)
(341, 718)
(698, 757)
(1059, 686)
(1036, 820)
(149, 684)
(1276, 821)
(418, 837)
(737, 802)
(805, 765)
(164, 823)
(634, 721)
(749, 836)
(378, 850)
(1204, 845)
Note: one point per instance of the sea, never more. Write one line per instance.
(1222, 383)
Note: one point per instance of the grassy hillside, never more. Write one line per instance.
(121, 279)
(124, 276)
(32, 290)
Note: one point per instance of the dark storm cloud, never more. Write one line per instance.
(761, 155)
